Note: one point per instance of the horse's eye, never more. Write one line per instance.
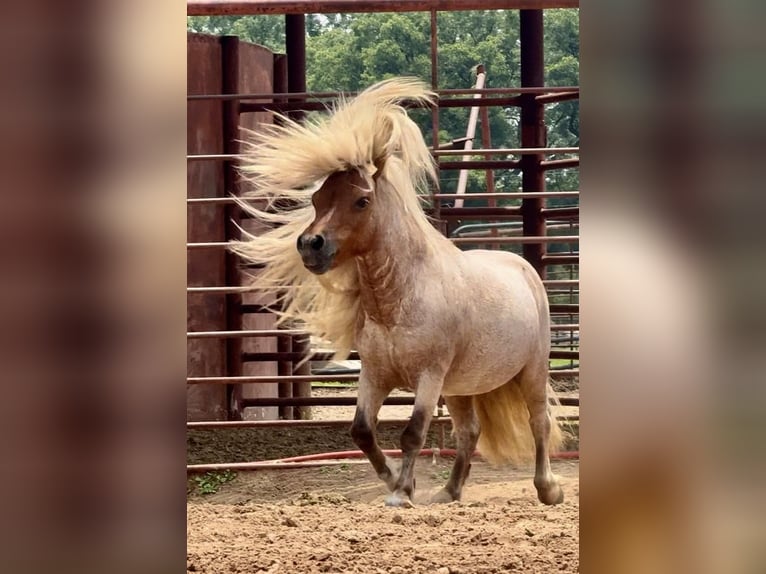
(362, 202)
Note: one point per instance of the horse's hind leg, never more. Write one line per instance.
(370, 399)
(534, 387)
(466, 425)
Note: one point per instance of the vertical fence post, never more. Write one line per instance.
(284, 342)
(295, 47)
(489, 174)
(302, 345)
(295, 44)
(435, 115)
(285, 369)
(230, 85)
(532, 133)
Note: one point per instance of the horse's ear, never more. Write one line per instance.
(379, 165)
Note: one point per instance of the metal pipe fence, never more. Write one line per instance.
(538, 219)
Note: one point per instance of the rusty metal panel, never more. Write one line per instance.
(205, 357)
(256, 68)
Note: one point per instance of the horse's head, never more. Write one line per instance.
(343, 226)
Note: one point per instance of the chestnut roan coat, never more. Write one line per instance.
(360, 265)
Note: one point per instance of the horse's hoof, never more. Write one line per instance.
(442, 497)
(398, 501)
(554, 494)
(391, 475)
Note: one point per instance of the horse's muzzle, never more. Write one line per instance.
(317, 252)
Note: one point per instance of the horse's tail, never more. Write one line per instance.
(506, 435)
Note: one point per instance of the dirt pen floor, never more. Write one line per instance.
(332, 519)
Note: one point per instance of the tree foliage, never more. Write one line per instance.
(348, 52)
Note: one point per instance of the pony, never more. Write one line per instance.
(359, 264)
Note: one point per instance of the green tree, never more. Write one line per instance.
(268, 31)
(348, 52)
(562, 68)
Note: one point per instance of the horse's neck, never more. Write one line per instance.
(388, 273)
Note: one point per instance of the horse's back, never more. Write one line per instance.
(507, 273)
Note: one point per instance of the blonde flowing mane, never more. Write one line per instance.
(288, 162)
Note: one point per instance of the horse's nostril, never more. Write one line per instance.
(313, 242)
(317, 242)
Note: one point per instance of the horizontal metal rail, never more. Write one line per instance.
(560, 163)
(332, 378)
(516, 240)
(320, 401)
(480, 164)
(507, 195)
(550, 260)
(508, 151)
(516, 90)
(482, 212)
(565, 308)
(351, 401)
(263, 379)
(563, 354)
(319, 106)
(506, 228)
(300, 423)
(560, 212)
(226, 290)
(438, 153)
(217, 290)
(293, 104)
(215, 157)
(559, 97)
(255, 7)
(319, 356)
(467, 196)
(456, 240)
(542, 90)
(331, 423)
(287, 332)
(244, 333)
(208, 245)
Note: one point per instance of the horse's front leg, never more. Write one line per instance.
(370, 398)
(413, 438)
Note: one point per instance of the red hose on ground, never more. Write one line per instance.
(332, 458)
(327, 459)
(346, 454)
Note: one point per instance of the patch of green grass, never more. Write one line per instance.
(210, 482)
(563, 363)
(441, 474)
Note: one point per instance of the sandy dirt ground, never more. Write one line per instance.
(332, 519)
